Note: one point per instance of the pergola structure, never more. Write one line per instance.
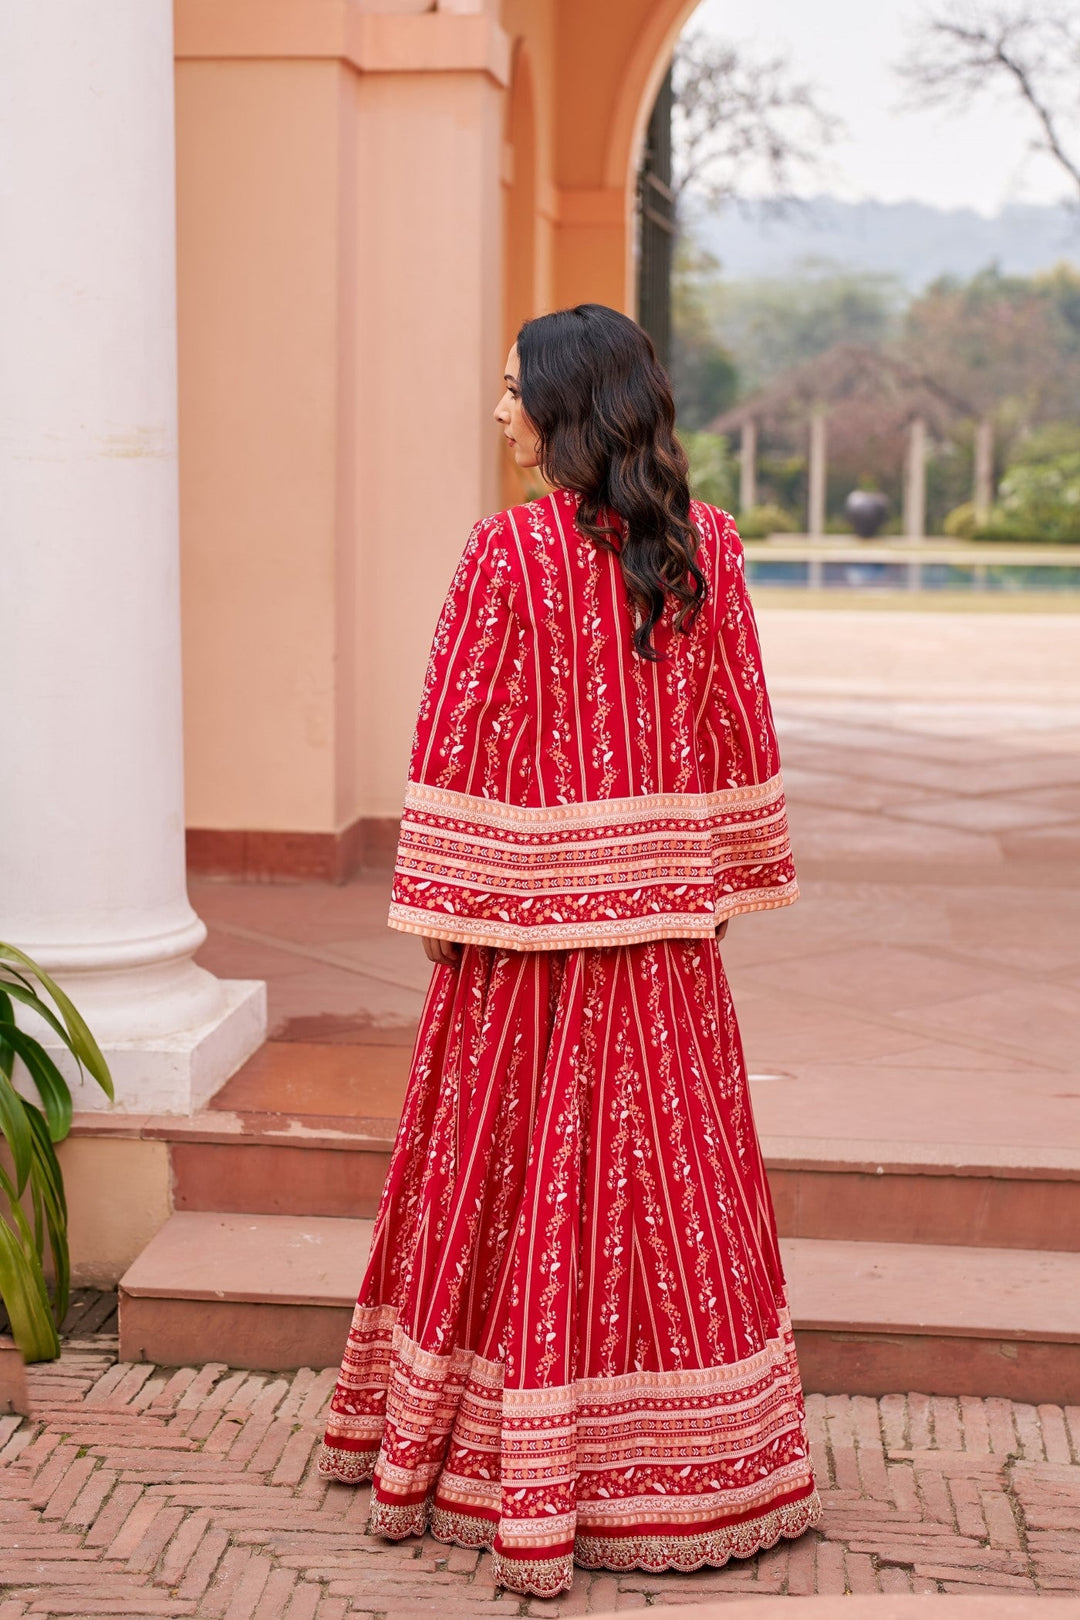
(845, 386)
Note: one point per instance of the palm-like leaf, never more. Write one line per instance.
(30, 1134)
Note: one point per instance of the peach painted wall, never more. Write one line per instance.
(347, 175)
(258, 204)
(428, 313)
(340, 329)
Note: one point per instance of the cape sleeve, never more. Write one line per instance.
(753, 866)
(472, 744)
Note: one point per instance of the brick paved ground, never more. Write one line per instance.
(137, 1490)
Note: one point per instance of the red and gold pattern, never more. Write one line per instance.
(565, 792)
(572, 1342)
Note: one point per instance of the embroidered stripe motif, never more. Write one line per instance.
(595, 873)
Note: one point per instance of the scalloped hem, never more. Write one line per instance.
(347, 1467)
(657, 1554)
(547, 1577)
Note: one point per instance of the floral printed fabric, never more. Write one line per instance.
(564, 791)
(572, 1341)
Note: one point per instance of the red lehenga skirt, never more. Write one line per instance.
(572, 1343)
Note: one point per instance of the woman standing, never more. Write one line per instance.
(572, 1343)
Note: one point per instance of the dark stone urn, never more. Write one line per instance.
(866, 511)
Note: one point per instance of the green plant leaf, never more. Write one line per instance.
(48, 1182)
(26, 1299)
(80, 1041)
(16, 1131)
(48, 1165)
(30, 1133)
(7, 1016)
(50, 1083)
(30, 996)
(26, 1278)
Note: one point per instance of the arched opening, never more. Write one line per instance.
(519, 199)
(641, 84)
(520, 234)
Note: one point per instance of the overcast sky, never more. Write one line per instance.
(847, 47)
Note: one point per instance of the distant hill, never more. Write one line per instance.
(912, 241)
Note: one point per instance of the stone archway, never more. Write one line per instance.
(522, 270)
(612, 56)
(520, 256)
(641, 81)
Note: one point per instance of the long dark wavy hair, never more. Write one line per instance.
(601, 404)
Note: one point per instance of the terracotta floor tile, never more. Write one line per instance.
(777, 1034)
(818, 831)
(387, 953)
(880, 978)
(334, 990)
(232, 958)
(1041, 1020)
(951, 1055)
(992, 813)
(296, 1078)
(1059, 798)
(892, 1102)
(305, 912)
(817, 785)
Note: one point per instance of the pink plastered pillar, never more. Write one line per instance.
(340, 332)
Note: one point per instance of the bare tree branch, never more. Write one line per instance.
(737, 117)
(1032, 48)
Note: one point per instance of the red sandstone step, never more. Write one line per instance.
(276, 1292)
(970, 1195)
(267, 1291)
(334, 1165)
(872, 1318)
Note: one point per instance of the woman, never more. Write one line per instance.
(571, 1343)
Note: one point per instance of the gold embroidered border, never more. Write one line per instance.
(546, 1577)
(559, 872)
(672, 1549)
(597, 813)
(461, 1529)
(534, 1577)
(396, 1521)
(600, 934)
(348, 1467)
(715, 1548)
(687, 1382)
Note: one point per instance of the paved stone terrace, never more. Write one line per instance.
(144, 1491)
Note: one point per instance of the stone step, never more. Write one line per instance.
(261, 1291)
(977, 1197)
(336, 1167)
(275, 1292)
(307, 1129)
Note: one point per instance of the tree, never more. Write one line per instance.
(1032, 49)
(741, 124)
(770, 324)
(1006, 344)
(704, 375)
(738, 118)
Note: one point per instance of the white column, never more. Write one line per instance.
(92, 879)
(748, 465)
(915, 482)
(816, 482)
(984, 468)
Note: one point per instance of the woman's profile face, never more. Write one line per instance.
(510, 415)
